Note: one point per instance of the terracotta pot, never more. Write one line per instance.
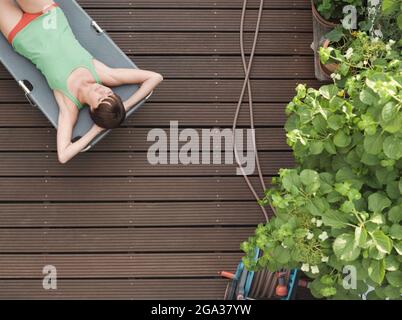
(328, 68)
(325, 24)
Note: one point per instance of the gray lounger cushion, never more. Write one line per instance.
(99, 44)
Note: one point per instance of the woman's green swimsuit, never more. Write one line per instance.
(50, 44)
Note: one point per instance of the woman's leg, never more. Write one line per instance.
(10, 15)
(36, 6)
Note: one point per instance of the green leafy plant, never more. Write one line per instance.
(332, 9)
(384, 20)
(356, 52)
(342, 205)
(391, 16)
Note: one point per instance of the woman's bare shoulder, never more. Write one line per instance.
(104, 72)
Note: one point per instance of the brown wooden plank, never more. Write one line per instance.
(125, 164)
(154, 43)
(221, 67)
(201, 20)
(125, 189)
(88, 266)
(143, 214)
(196, 90)
(185, 4)
(123, 240)
(130, 139)
(170, 289)
(156, 114)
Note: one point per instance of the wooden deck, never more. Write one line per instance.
(112, 224)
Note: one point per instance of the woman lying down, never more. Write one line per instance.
(76, 78)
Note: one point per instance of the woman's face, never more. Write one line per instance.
(97, 93)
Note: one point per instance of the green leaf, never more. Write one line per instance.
(376, 271)
(394, 125)
(361, 237)
(382, 241)
(301, 91)
(327, 280)
(399, 21)
(345, 248)
(377, 218)
(291, 180)
(393, 147)
(335, 35)
(392, 189)
(341, 139)
(330, 147)
(334, 219)
(309, 177)
(377, 202)
(325, 54)
(389, 6)
(328, 291)
(389, 111)
(392, 292)
(373, 144)
(395, 278)
(391, 263)
(335, 121)
(316, 147)
(317, 206)
(369, 159)
(375, 254)
(329, 91)
(398, 247)
(344, 69)
(347, 207)
(367, 97)
(281, 255)
(396, 232)
(395, 214)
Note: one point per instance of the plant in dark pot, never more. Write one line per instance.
(327, 15)
(330, 12)
(345, 53)
(383, 23)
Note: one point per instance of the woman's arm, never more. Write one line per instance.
(113, 77)
(150, 82)
(66, 150)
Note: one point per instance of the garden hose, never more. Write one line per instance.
(247, 84)
(264, 284)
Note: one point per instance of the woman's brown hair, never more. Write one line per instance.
(110, 113)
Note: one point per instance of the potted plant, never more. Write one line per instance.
(337, 38)
(330, 12)
(339, 212)
(383, 20)
(322, 17)
(347, 52)
(327, 15)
